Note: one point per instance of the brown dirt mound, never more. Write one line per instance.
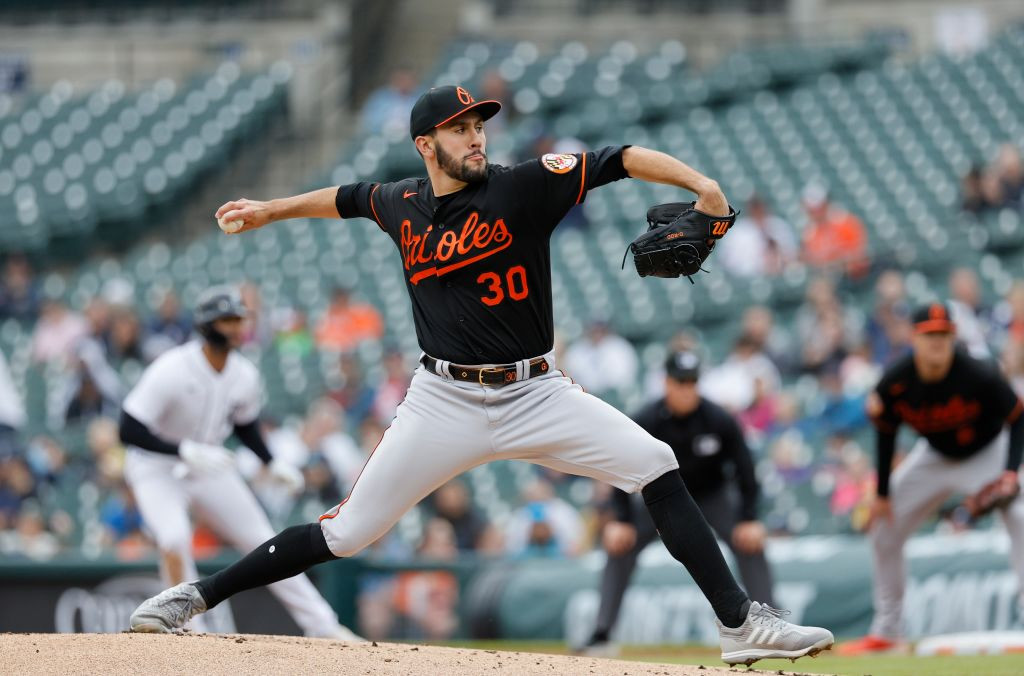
(52, 654)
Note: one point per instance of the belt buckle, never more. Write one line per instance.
(480, 373)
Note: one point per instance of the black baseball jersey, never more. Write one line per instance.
(959, 415)
(478, 262)
(705, 443)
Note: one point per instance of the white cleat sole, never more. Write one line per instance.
(150, 628)
(748, 657)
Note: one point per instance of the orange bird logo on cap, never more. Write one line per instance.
(465, 97)
(937, 311)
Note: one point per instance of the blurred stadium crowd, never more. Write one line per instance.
(851, 216)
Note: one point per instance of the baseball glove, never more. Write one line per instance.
(996, 494)
(678, 240)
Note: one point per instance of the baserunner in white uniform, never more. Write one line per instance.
(474, 242)
(174, 423)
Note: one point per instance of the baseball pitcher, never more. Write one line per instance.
(474, 244)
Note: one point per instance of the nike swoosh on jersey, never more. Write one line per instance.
(408, 193)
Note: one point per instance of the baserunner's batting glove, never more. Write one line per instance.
(205, 458)
(287, 475)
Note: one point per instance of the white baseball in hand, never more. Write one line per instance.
(230, 226)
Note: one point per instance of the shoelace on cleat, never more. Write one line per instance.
(773, 617)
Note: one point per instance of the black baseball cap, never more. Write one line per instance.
(934, 318)
(441, 104)
(683, 366)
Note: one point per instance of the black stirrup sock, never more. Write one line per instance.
(285, 555)
(689, 539)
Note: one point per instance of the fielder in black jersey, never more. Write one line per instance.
(972, 433)
(718, 470)
(474, 247)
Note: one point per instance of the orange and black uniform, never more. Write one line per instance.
(477, 262)
(958, 416)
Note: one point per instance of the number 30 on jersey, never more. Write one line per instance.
(512, 285)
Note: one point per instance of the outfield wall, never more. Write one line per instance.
(958, 583)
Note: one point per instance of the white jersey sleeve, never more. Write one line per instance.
(149, 399)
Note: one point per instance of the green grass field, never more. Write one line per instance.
(890, 665)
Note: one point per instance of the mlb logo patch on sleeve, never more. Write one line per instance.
(558, 164)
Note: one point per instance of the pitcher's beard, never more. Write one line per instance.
(461, 170)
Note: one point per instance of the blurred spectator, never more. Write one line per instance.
(355, 395)
(91, 387)
(1010, 318)
(973, 201)
(257, 328)
(392, 389)
(121, 520)
(125, 341)
(19, 292)
(888, 328)
(57, 332)
(426, 601)
(107, 452)
(346, 324)
(1010, 172)
(759, 245)
(387, 109)
(545, 526)
(292, 335)
(854, 486)
(324, 433)
(168, 328)
(833, 235)
(824, 328)
(746, 383)
(30, 537)
(16, 487)
(972, 319)
(12, 412)
(758, 325)
(451, 503)
(601, 360)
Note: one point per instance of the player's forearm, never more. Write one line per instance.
(135, 433)
(657, 167)
(886, 445)
(315, 204)
(251, 436)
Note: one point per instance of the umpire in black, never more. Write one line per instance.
(718, 470)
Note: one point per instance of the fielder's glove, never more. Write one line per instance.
(205, 458)
(678, 240)
(287, 475)
(997, 494)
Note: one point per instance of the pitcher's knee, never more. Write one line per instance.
(658, 461)
(343, 538)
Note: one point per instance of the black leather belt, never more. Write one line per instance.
(497, 376)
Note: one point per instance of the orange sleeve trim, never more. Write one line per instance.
(1015, 413)
(374, 209)
(583, 177)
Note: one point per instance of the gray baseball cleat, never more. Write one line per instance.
(765, 635)
(168, 610)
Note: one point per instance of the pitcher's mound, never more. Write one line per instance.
(111, 654)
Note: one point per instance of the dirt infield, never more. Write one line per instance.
(250, 654)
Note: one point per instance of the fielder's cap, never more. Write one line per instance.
(683, 366)
(218, 302)
(934, 318)
(441, 104)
